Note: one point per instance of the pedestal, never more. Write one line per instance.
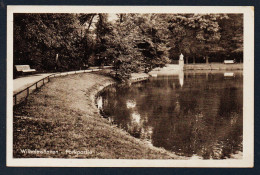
(181, 64)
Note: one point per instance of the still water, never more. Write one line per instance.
(191, 114)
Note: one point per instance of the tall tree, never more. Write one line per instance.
(232, 36)
(138, 42)
(194, 34)
(39, 37)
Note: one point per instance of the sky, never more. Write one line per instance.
(112, 17)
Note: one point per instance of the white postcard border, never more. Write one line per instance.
(248, 88)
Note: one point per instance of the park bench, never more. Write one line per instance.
(24, 69)
(229, 61)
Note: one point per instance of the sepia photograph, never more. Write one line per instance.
(100, 86)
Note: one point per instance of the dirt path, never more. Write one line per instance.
(23, 82)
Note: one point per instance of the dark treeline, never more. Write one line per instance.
(131, 42)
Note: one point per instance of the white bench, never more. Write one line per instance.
(24, 68)
(229, 61)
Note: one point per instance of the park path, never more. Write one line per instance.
(24, 86)
(23, 82)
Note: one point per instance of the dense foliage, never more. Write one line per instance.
(39, 37)
(132, 43)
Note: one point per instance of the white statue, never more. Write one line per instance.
(181, 56)
(181, 62)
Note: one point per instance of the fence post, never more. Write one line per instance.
(15, 99)
(27, 92)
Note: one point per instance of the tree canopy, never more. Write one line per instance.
(132, 43)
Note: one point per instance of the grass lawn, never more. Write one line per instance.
(62, 116)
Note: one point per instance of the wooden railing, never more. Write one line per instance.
(20, 96)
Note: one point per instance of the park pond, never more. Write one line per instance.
(193, 114)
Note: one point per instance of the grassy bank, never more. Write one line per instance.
(213, 66)
(62, 116)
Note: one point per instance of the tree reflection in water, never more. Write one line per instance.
(196, 114)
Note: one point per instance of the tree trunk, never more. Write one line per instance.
(193, 60)
(90, 22)
(121, 18)
(187, 60)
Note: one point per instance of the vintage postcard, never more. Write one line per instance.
(130, 86)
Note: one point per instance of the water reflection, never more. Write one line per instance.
(181, 78)
(99, 102)
(193, 114)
